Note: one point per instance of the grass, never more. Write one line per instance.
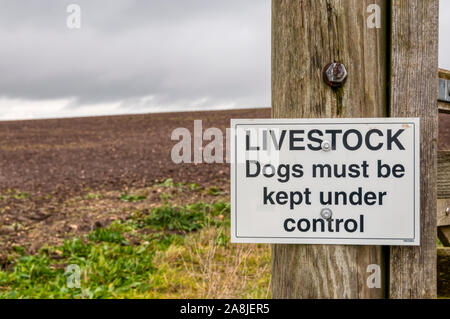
(14, 194)
(170, 251)
(131, 198)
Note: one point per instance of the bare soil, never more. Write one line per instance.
(50, 171)
(62, 177)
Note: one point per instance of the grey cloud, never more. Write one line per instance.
(176, 51)
(141, 54)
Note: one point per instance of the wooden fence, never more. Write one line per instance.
(443, 194)
(443, 177)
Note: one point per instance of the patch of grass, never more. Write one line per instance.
(175, 218)
(439, 243)
(14, 194)
(194, 187)
(179, 252)
(169, 183)
(107, 270)
(132, 198)
(186, 218)
(214, 191)
(107, 235)
(20, 195)
(165, 197)
(91, 196)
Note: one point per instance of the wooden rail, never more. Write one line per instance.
(444, 107)
(443, 177)
(443, 182)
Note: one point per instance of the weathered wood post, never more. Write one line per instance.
(306, 36)
(443, 177)
(414, 91)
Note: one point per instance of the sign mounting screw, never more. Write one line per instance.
(326, 146)
(326, 213)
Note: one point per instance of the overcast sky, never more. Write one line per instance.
(132, 56)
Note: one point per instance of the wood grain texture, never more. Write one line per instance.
(306, 36)
(444, 235)
(444, 74)
(443, 175)
(414, 58)
(444, 107)
(443, 217)
(443, 261)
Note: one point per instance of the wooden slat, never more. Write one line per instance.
(443, 176)
(414, 64)
(444, 235)
(306, 36)
(443, 217)
(444, 107)
(444, 74)
(443, 266)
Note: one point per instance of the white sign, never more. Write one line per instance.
(326, 181)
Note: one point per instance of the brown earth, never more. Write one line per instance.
(50, 170)
(45, 156)
(61, 178)
(72, 154)
(444, 132)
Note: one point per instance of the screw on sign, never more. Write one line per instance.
(326, 213)
(335, 74)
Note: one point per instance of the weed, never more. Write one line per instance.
(107, 235)
(165, 197)
(215, 191)
(95, 196)
(175, 218)
(132, 198)
(181, 252)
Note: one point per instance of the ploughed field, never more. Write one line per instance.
(48, 162)
(133, 150)
(103, 193)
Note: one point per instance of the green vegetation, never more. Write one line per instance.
(91, 196)
(186, 218)
(107, 235)
(132, 198)
(165, 252)
(108, 268)
(439, 243)
(169, 183)
(215, 191)
(14, 194)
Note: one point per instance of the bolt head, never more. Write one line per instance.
(335, 74)
(326, 146)
(326, 213)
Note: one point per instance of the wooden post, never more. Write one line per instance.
(414, 87)
(306, 36)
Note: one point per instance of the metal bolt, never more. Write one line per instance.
(447, 211)
(326, 213)
(335, 74)
(326, 146)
